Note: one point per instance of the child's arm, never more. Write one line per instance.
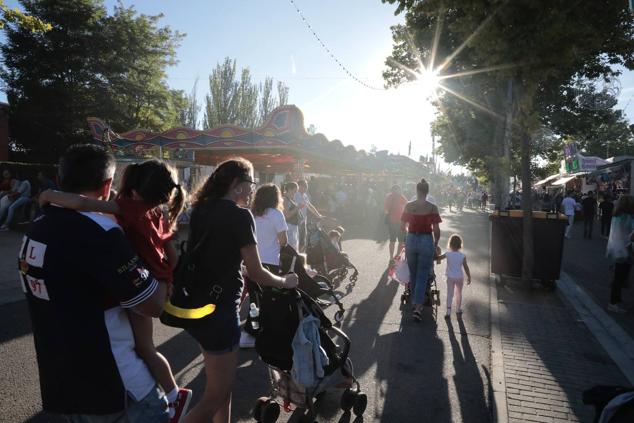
(438, 256)
(171, 253)
(77, 202)
(466, 270)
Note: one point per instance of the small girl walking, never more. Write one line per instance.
(145, 188)
(456, 262)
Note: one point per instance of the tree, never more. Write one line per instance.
(19, 18)
(88, 64)
(239, 102)
(267, 101)
(189, 114)
(282, 93)
(532, 48)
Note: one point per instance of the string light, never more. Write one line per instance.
(330, 53)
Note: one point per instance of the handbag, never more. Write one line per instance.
(400, 271)
(190, 300)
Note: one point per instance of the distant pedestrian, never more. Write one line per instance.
(606, 207)
(20, 196)
(484, 199)
(291, 214)
(394, 205)
(589, 206)
(456, 262)
(619, 249)
(302, 199)
(568, 206)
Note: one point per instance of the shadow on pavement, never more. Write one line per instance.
(18, 314)
(467, 379)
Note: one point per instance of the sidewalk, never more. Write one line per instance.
(584, 260)
(548, 357)
(10, 290)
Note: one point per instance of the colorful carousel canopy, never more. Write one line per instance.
(281, 145)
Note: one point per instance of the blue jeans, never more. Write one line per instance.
(19, 202)
(151, 409)
(419, 249)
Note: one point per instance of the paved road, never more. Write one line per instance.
(435, 371)
(585, 261)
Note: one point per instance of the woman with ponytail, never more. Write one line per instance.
(225, 229)
(145, 188)
(421, 221)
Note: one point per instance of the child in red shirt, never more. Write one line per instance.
(145, 187)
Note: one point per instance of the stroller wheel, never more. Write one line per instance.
(307, 418)
(360, 404)
(259, 405)
(339, 316)
(269, 412)
(348, 399)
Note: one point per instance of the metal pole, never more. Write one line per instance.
(433, 151)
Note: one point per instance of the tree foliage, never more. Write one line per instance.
(530, 43)
(527, 50)
(17, 17)
(237, 100)
(88, 64)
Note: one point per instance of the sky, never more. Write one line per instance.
(270, 39)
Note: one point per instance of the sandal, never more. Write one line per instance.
(417, 316)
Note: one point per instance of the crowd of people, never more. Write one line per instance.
(99, 264)
(17, 196)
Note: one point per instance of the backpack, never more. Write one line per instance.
(191, 298)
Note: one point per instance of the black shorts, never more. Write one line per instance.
(218, 333)
(396, 232)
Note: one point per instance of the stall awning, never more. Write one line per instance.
(563, 181)
(546, 180)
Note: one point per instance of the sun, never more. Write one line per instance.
(427, 83)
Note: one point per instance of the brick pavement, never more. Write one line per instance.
(549, 357)
(584, 260)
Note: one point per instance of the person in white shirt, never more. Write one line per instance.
(302, 199)
(270, 224)
(568, 207)
(456, 262)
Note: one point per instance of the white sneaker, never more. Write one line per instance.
(615, 308)
(247, 340)
(4, 228)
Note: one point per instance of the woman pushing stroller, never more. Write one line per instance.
(220, 209)
(420, 220)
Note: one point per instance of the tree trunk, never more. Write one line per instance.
(508, 132)
(527, 208)
(502, 142)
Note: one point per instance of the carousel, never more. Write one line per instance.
(278, 150)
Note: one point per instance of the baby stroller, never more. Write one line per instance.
(281, 312)
(612, 404)
(432, 293)
(325, 258)
(318, 287)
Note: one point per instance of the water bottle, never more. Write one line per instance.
(254, 313)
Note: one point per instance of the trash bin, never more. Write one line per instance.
(507, 240)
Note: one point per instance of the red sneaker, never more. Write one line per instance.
(179, 407)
